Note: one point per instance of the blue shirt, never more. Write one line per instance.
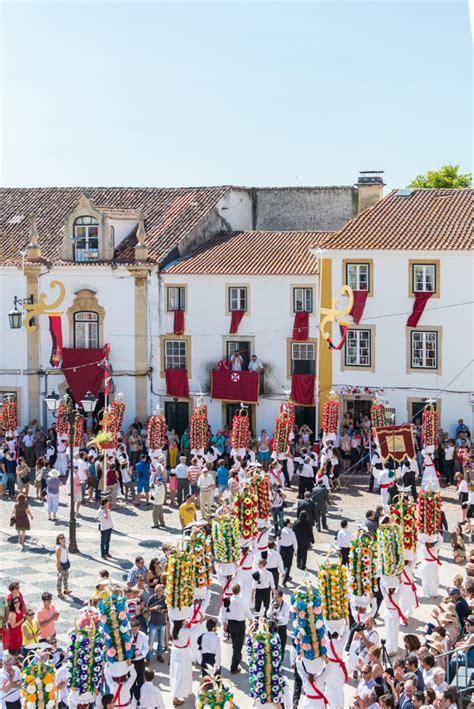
(143, 470)
(181, 471)
(222, 476)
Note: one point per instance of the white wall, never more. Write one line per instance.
(13, 352)
(388, 310)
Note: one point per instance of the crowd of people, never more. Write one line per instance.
(202, 485)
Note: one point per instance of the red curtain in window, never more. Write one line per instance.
(177, 383)
(418, 307)
(302, 389)
(178, 325)
(237, 316)
(301, 326)
(360, 296)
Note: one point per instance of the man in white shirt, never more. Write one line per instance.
(150, 694)
(274, 562)
(235, 612)
(306, 478)
(210, 647)
(61, 677)
(140, 649)
(206, 485)
(255, 365)
(10, 683)
(287, 548)
(263, 585)
(279, 613)
(343, 541)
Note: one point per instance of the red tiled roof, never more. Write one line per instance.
(170, 214)
(253, 253)
(427, 219)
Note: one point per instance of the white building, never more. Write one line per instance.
(414, 244)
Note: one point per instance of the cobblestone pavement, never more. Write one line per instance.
(35, 565)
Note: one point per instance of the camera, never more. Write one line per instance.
(358, 627)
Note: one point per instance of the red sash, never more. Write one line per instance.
(317, 693)
(432, 556)
(117, 695)
(384, 486)
(245, 555)
(338, 660)
(259, 538)
(396, 608)
(197, 608)
(183, 647)
(225, 589)
(410, 583)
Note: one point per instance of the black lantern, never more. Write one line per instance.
(15, 317)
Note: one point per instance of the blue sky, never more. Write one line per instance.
(246, 93)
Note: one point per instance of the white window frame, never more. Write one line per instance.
(175, 293)
(305, 297)
(422, 336)
(354, 339)
(87, 252)
(86, 330)
(301, 351)
(354, 280)
(420, 273)
(238, 298)
(176, 352)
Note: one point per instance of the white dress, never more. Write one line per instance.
(124, 698)
(62, 458)
(313, 691)
(429, 570)
(392, 618)
(408, 599)
(181, 664)
(335, 676)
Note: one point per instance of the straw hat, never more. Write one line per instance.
(53, 473)
(437, 646)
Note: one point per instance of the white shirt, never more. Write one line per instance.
(151, 697)
(210, 644)
(105, 522)
(82, 466)
(27, 442)
(265, 580)
(61, 676)
(449, 453)
(13, 694)
(125, 473)
(462, 487)
(236, 363)
(238, 610)
(288, 538)
(159, 493)
(140, 645)
(253, 366)
(344, 538)
(274, 561)
(205, 482)
(281, 613)
(306, 471)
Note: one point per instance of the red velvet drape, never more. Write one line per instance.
(56, 331)
(302, 389)
(83, 371)
(237, 316)
(177, 383)
(301, 326)
(418, 307)
(360, 296)
(178, 325)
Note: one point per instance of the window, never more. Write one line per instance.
(176, 354)
(424, 349)
(424, 277)
(302, 300)
(86, 239)
(176, 298)
(303, 358)
(238, 298)
(358, 348)
(86, 330)
(358, 276)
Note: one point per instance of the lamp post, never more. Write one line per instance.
(15, 316)
(88, 404)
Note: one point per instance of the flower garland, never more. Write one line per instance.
(391, 550)
(180, 577)
(404, 512)
(10, 415)
(38, 685)
(156, 432)
(226, 539)
(429, 426)
(200, 550)
(378, 417)
(262, 490)
(363, 565)
(62, 425)
(331, 414)
(429, 512)
(240, 436)
(115, 623)
(281, 433)
(86, 659)
(368, 391)
(308, 623)
(246, 510)
(333, 587)
(198, 428)
(214, 694)
(288, 408)
(118, 412)
(78, 431)
(265, 665)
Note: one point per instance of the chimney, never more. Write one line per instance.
(369, 188)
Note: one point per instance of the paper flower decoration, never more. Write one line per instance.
(281, 433)
(156, 432)
(240, 435)
(199, 546)
(115, 624)
(198, 428)
(38, 688)
(333, 586)
(261, 483)
(429, 426)
(404, 512)
(391, 550)
(429, 512)
(378, 416)
(308, 623)
(10, 415)
(331, 414)
(180, 580)
(288, 408)
(246, 510)
(214, 694)
(226, 539)
(363, 565)
(265, 665)
(86, 659)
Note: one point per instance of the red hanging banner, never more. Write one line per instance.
(418, 307)
(237, 316)
(396, 442)
(83, 371)
(360, 296)
(302, 389)
(178, 324)
(301, 326)
(177, 383)
(56, 331)
(343, 330)
(235, 386)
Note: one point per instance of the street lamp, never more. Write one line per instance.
(88, 404)
(15, 316)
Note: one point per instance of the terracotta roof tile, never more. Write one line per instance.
(170, 214)
(252, 253)
(427, 219)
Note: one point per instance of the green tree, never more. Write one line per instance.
(447, 176)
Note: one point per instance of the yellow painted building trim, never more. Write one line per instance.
(324, 353)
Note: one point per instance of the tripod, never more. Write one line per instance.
(385, 657)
